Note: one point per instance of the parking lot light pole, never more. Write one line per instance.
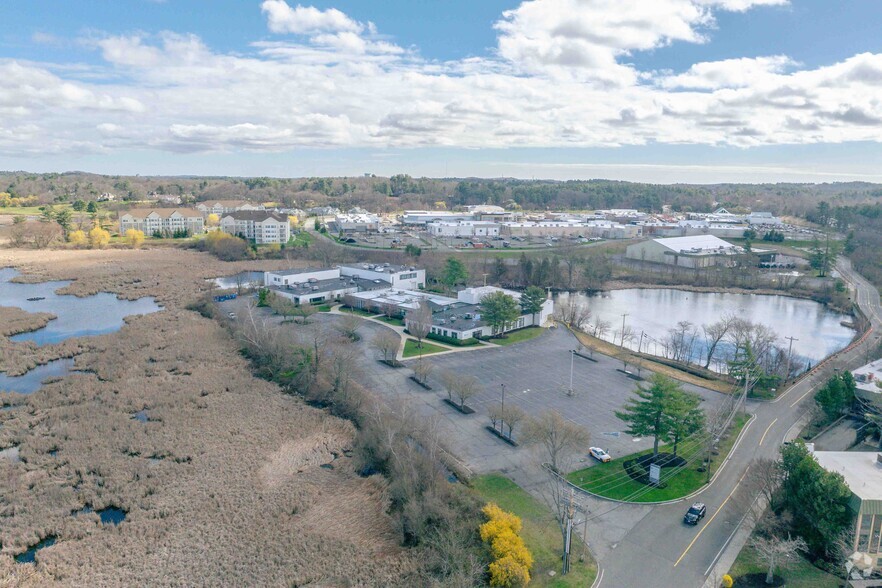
(572, 360)
(502, 412)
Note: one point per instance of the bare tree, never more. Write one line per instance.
(349, 325)
(304, 311)
(601, 328)
(777, 552)
(419, 322)
(421, 371)
(450, 381)
(386, 342)
(714, 333)
(558, 438)
(570, 312)
(494, 413)
(466, 387)
(514, 415)
(283, 306)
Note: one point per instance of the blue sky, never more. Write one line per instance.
(651, 90)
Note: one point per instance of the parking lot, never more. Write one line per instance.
(536, 376)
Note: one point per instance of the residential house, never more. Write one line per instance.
(165, 222)
(260, 226)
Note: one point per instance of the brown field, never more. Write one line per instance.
(15, 320)
(223, 485)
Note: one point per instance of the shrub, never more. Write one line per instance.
(134, 238)
(452, 341)
(98, 237)
(513, 560)
(78, 238)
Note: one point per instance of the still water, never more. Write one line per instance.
(243, 279)
(654, 311)
(77, 317)
(31, 381)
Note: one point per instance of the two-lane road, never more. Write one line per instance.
(657, 548)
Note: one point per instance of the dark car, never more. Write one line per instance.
(695, 513)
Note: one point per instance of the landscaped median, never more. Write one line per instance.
(412, 348)
(624, 478)
(518, 336)
(540, 532)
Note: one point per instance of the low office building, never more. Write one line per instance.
(862, 471)
(463, 229)
(332, 284)
(356, 223)
(699, 251)
(868, 380)
(260, 226)
(221, 207)
(422, 217)
(162, 222)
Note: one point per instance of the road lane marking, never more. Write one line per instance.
(710, 520)
(763, 438)
(798, 400)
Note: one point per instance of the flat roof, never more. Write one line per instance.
(305, 270)
(866, 377)
(380, 267)
(861, 471)
(331, 285)
(703, 242)
(404, 298)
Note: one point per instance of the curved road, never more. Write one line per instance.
(641, 545)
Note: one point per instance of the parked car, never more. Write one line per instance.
(695, 513)
(599, 454)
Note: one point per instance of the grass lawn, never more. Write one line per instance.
(391, 320)
(612, 481)
(30, 210)
(518, 336)
(411, 349)
(801, 573)
(357, 311)
(540, 533)
(301, 239)
(324, 308)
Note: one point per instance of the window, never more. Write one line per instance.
(874, 537)
(864, 533)
(407, 276)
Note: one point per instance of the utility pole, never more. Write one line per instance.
(569, 534)
(623, 329)
(640, 345)
(789, 357)
(485, 279)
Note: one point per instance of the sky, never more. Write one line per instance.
(661, 91)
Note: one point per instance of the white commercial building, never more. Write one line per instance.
(327, 284)
(164, 222)
(463, 229)
(763, 218)
(695, 252)
(357, 223)
(422, 217)
(260, 226)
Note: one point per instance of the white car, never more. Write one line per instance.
(599, 454)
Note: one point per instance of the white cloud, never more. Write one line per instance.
(302, 20)
(554, 82)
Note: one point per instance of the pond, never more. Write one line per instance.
(31, 381)
(817, 330)
(110, 515)
(77, 317)
(242, 279)
(29, 555)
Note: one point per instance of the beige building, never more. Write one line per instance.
(259, 226)
(162, 221)
(862, 471)
(220, 207)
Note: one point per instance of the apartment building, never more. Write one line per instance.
(162, 221)
(221, 207)
(260, 226)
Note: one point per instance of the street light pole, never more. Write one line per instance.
(623, 329)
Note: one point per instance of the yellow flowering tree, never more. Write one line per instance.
(98, 237)
(134, 238)
(78, 238)
(213, 220)
(512, 560)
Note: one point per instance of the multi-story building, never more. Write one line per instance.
(221, 207)
(862, 471)
(260, 226)
(162, 221)
(327, 284)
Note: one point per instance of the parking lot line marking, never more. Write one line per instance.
(763, 438)
(710, 520)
